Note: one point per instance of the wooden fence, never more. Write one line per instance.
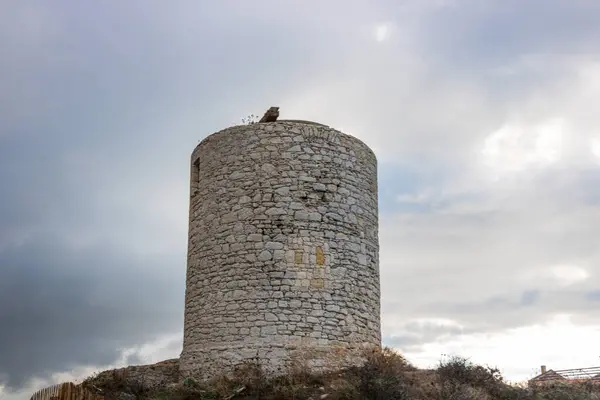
(65, 391)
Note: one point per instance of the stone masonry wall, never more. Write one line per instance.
(283, 252)
(157, 375)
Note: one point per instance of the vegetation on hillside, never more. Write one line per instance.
(384, 375)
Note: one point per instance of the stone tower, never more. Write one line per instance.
(283, 251)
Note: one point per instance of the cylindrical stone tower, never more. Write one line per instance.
(283, 256)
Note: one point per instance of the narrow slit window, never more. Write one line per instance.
(195, 178)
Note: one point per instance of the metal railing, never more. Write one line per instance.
(575, 374)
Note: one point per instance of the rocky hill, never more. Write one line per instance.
(384, 375)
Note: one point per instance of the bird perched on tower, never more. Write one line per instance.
(271, 115)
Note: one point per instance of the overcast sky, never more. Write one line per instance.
(483, 115)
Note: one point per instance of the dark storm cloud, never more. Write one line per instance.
(61, 307)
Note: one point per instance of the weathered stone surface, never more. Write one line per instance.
(283, 247)
(149, 376)
(154, 376)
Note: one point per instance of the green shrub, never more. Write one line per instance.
(382, 376)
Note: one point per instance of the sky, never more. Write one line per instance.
(482, 114)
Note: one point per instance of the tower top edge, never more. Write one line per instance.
(301, 121)
(329, 132)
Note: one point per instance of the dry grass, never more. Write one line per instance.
(384, 374)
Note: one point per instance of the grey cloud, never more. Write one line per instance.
(97, 124)
(492, 314)
(482, 34)
(171, 349)
(496, 313)
(491, 269)
(593, 295)
(529, 297)
(408, 341)
(134, 359)
(412, 335)
(63, 307)
(441, 82)
(175, 59)
(101, 106)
